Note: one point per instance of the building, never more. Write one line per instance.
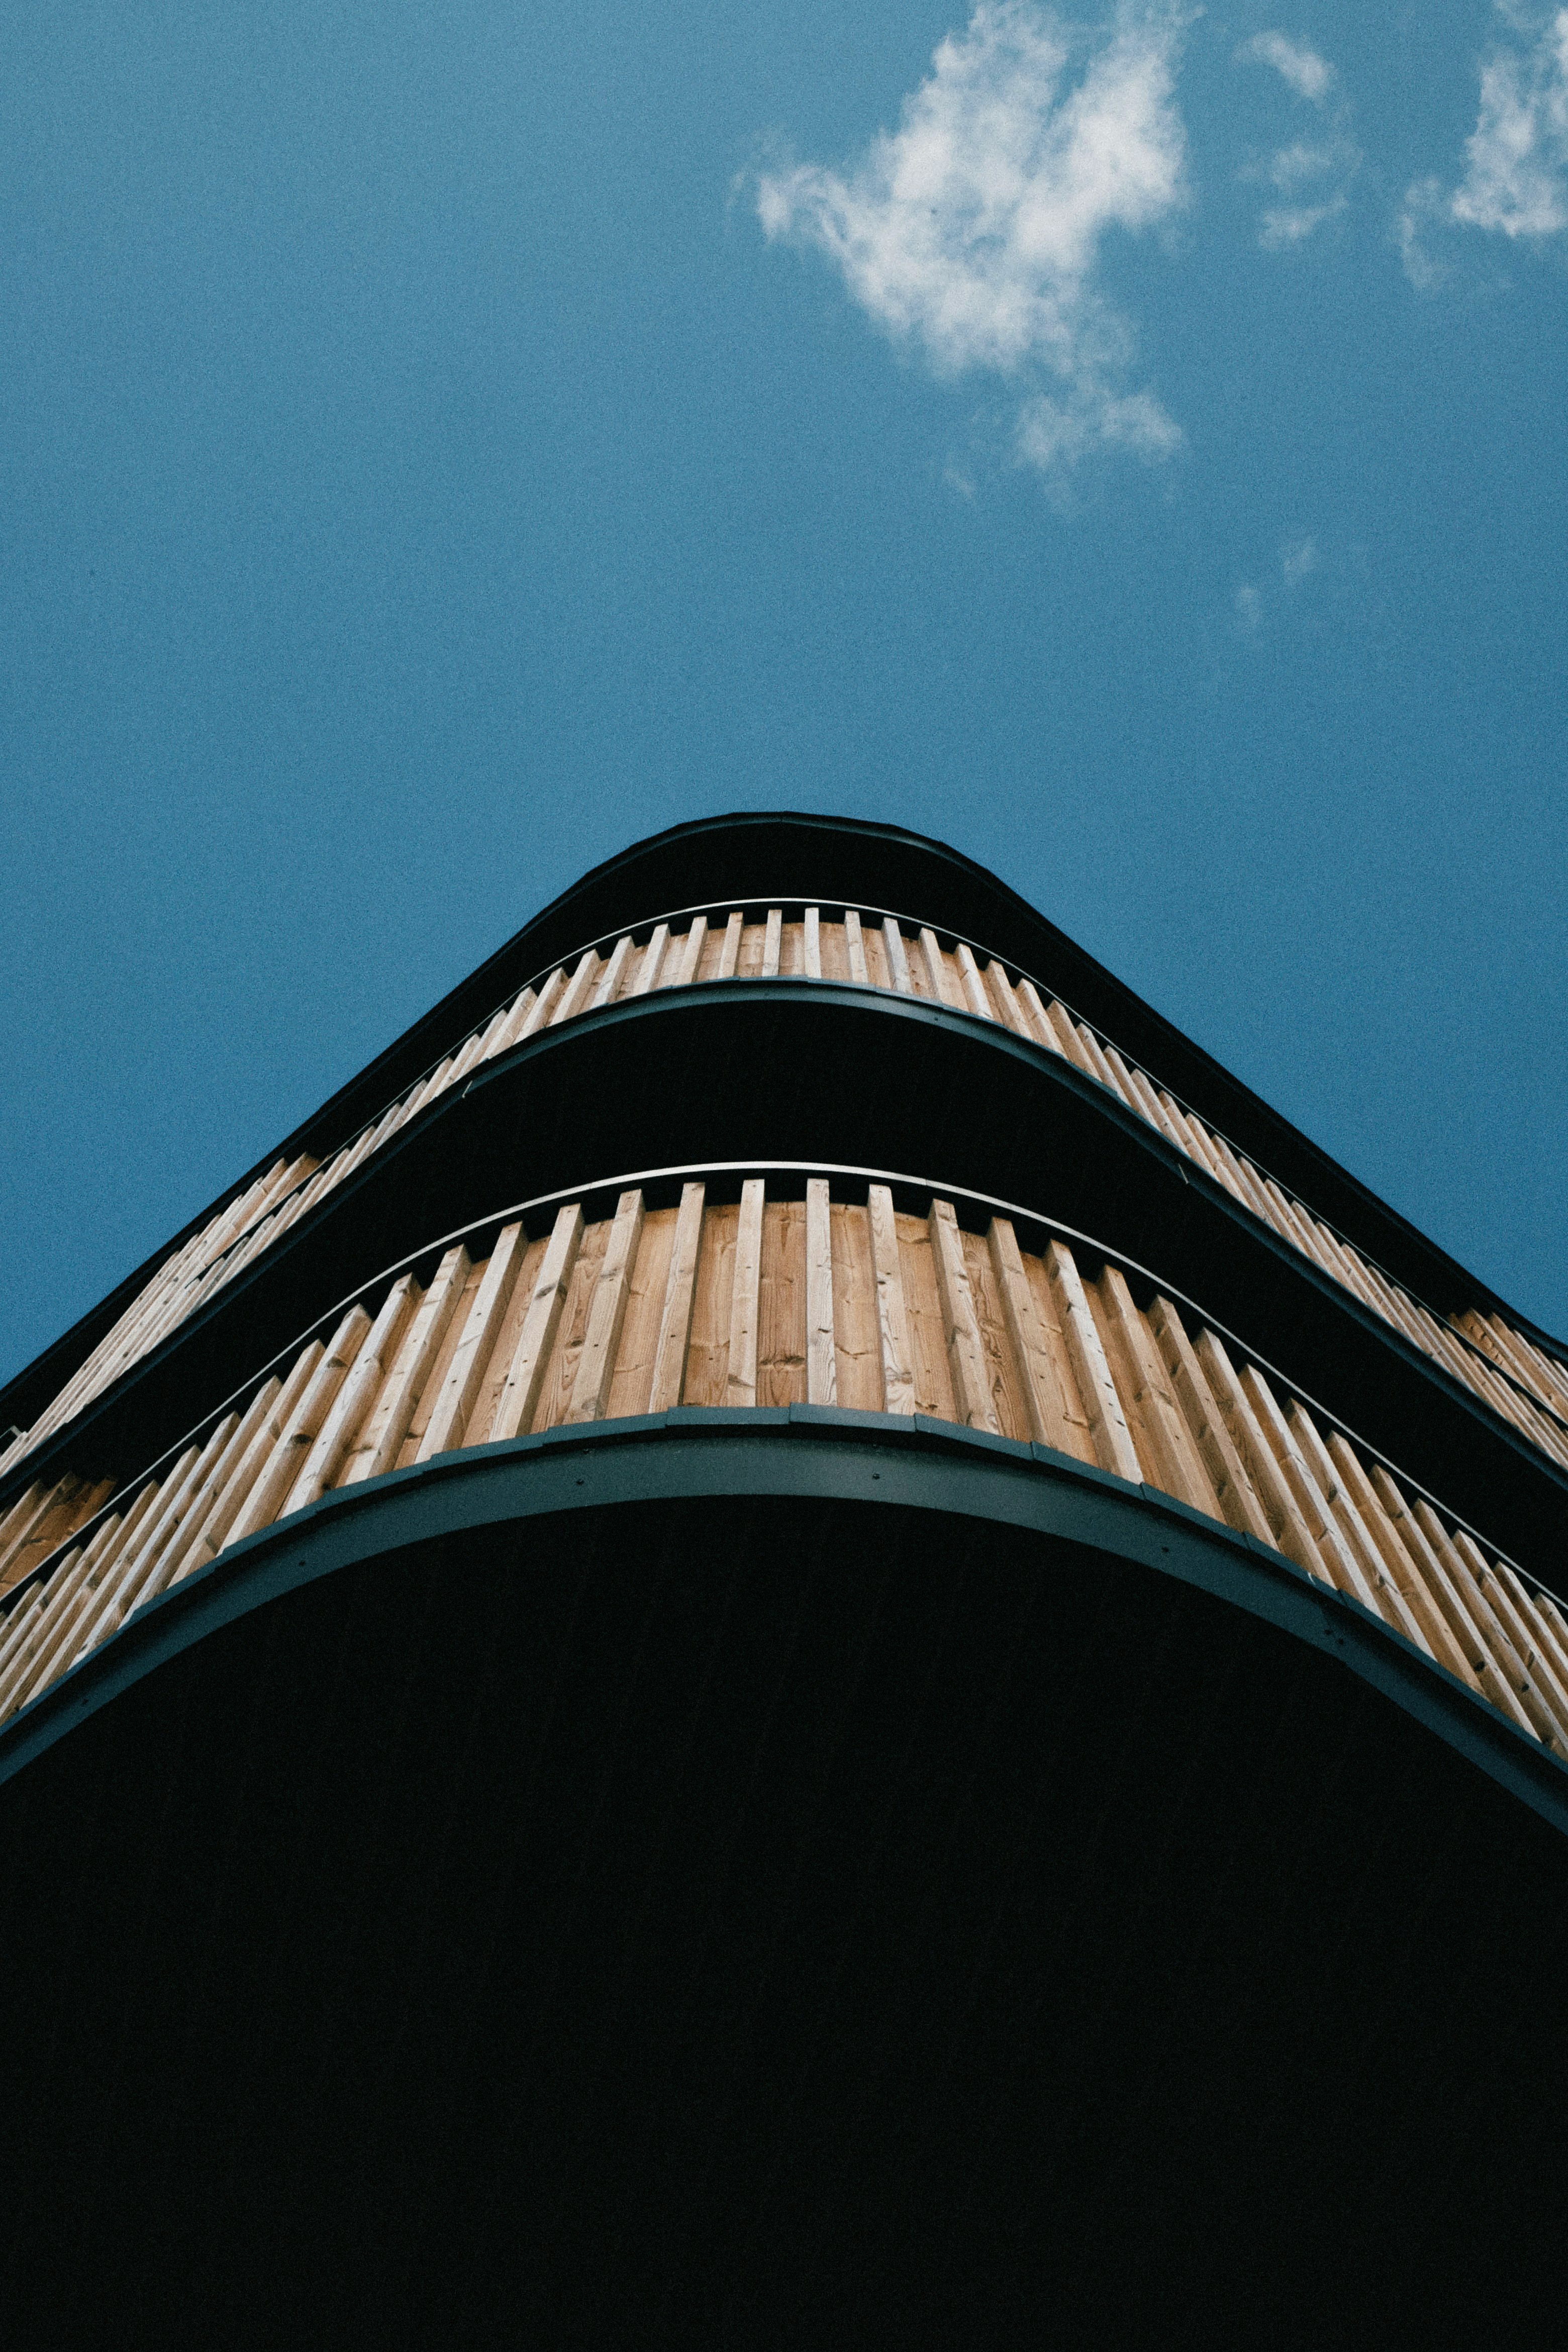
(794, 1637)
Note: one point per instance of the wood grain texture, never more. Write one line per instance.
(767, 1301)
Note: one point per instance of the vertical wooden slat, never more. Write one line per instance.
(898, 962)
(262, 1504)
(692, 954)
(821, 1365)
(730, 953)
(892, 1317)
(854, 948)
(575, 995)
(812, 943)
(597, 1365)
(376, 1450)
(1436, 1630)
(520, 1395)
(1175, 1464)
(740, 1378)
(1506, 1655)
(973, 1401)
(1492, 1683)
(614, 972)
(355, 1399)
(1391, 1603)
(770, 943)
(974, 994)
(1037, 1373)
(653, 957)
(1340, 1561)
(1238, 1503)
(1107, 1423)
(450, 1418)
(680, 1291)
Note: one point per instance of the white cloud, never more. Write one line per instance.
(1516, 159)
(973, 231)
(1291, 169)
(1517, 178)
(1309, 75)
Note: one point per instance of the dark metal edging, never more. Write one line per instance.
(796, 1451)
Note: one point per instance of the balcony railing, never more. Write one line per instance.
(739, 1287)
(862, 947)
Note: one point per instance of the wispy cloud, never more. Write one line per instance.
(1310, 177)
(1516, 159)
(1297, 558)
(973, 231)
(1309, 75)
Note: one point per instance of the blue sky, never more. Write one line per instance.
(438, 446)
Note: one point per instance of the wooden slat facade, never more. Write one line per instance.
(1519, 1380)
(772, 1301)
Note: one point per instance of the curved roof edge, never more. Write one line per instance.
(749, 853)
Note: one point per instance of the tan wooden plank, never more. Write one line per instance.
(518, 1398)
(1506, 1655)
(1288, 1530)
(856, 1332)
(355, 1399)
(1340, 1560)
(449, 1418)
(812, 943)
(974, 996)
(1039, 1378)
(63, 1512)
(892, 1314)
(652, 958)
(266, 1498)
(114, 1549)
(770, 963)
(898, 962)
(854, 948)
(928, 1328)
(740, 1365)
(730, 953)
(1484, 1670)
(379, 1446)
(113, 1604)
(821, 1338)
(638, 1352)
(781, 1305)
(20, 1519)
(792, 951)
(180, 1505)
(614, 973)
(575, 996)
(680, 1290)
(186, 1551)
(692, 945)
(926, 967)
(607, 1314)
(1005, 1375)
(1175, 1462)
(1005, 1007)
(545, 1005)
(267, 1432)
(972, 1401)
(717, 945)
(1509, 1604)
(1077, 1438)
(1437, 1632)
(1113, 1444)
(708, 1348)
(833, 950)
(558, 1386)
(506, 1034)
(1359, 1538)
(502, 1349)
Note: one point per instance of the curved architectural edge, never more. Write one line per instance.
(1173, 1197)
(800, 1451)
(1025, 935)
